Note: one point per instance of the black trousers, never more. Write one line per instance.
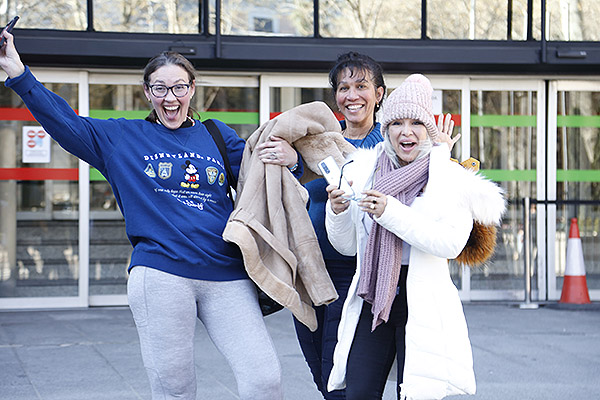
(318, 346)
(372, 353)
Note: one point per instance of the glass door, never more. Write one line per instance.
(507, 135)
(40, 236)
(574, 181)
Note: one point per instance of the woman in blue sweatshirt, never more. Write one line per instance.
(169, 180)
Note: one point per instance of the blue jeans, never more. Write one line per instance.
(318, 346)
(372, 353)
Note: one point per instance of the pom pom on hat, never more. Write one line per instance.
(412, 99)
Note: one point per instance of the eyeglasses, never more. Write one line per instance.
(345, 186)
(179, 90)
(342, 172)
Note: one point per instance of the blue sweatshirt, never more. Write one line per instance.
(318, 197)
(170, 185)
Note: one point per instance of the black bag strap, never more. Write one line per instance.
(214, 131)
(267, 305)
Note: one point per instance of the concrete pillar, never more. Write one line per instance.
(8, 212)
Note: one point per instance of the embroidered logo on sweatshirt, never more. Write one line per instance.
(191, 175)
(165, 169)
(211, 174)
(150, 171)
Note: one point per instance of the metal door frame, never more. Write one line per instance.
(554, 87)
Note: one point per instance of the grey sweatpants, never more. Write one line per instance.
(165, 308)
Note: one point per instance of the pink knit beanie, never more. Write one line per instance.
(412, 99)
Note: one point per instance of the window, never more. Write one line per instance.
(267, 17)
(370, 19)
(573, 20)
(55, 14)
(174, 16)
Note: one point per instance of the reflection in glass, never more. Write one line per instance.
(110, 253)
(56, 14)
(38, 218)
(265, 17)
(118, 97)
(451, 104)
(573, 20)
(519, 20)
(283, 99)
(503, 138)
(236, 106)
(370, 19)
(467, 19)
(578, 166)
(177, 16)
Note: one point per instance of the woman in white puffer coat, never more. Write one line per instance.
(416, 210)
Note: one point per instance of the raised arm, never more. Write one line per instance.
(10, 61)
(80, 136)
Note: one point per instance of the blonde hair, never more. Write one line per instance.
(424, 148)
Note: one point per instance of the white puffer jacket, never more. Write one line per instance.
(437, 225)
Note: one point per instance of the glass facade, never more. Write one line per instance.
(264, 18)
(236, 106)
(180, 16)
(573, 20)
(54, 14)
(566, 20)
(39, 207)
(38, 204)
(370, 19)
(467, 20)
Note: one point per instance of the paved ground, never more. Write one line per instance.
(547, 354)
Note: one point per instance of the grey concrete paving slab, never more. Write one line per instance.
(550, 353)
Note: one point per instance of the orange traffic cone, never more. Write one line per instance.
(574, 288)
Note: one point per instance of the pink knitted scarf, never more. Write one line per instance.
(381, 263)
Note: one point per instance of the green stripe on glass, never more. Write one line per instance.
(491, 121)
(228, 117)
(497, 175)
(95, 175)
(577, 175)
(232, 118)
(129, 114)
(504, 175)
(578, 121)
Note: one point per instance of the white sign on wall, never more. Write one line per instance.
(436, 104)
(36, 145)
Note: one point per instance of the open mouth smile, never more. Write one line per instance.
(354, 107)
(408, 145)
(171, 111)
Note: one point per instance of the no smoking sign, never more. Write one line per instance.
(36, 145)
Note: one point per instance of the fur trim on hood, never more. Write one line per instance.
(487, 203)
